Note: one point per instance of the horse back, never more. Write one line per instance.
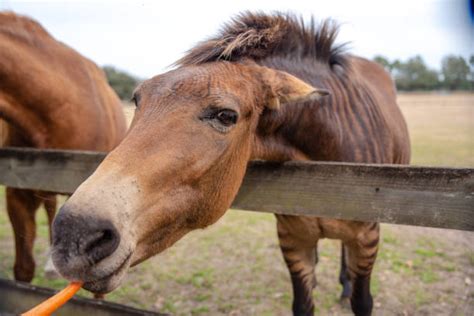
(51, 93)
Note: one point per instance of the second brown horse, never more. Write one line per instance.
(50, 97)
(259, 90)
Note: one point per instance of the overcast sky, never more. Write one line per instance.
(144, 37)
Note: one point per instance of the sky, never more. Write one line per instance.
(145, 37)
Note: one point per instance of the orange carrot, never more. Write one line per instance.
(55, 302)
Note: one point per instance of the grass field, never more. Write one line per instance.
(441, 128)
(235, 267)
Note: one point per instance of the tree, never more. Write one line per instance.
(471, 76)
(455, 71)
(396, 64)
(122, 82)
(384, 62)
(415, 75)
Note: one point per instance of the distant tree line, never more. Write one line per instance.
(456, 73)
(122, 82)
(413, 74)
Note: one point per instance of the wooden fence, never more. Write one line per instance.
(421, 196)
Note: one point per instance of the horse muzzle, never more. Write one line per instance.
(89, 249)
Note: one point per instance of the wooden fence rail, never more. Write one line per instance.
(421, 196)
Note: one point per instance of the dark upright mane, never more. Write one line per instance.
(259, 35)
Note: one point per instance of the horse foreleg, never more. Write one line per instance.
(361, 255)
(50, 205)
(300, 260)
(21, 207)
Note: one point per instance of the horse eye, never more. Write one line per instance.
(227, 117)
(134, 99)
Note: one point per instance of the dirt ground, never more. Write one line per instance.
(235, 266)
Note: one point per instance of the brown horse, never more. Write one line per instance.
(50, 97)
(248, 93)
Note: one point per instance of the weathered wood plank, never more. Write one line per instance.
(47, 170)
(433, 197)
(422, 196)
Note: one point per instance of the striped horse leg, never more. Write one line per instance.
(300, 260)
(361, 254)
(345, 280)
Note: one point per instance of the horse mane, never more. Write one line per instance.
(259, 35)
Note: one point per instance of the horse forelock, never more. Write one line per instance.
(258, 36)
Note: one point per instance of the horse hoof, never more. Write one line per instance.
(345, 303)
(50, 272)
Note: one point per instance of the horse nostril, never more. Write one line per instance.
(97, 240)
(100, 245)
(81, 241)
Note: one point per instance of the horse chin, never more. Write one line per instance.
(110, 282)
(101, 278)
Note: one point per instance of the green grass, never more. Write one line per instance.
(470, 256)
(389, 239)
(448, 267)
(421, 297)
(440, 129)
(427, 253)
(428, 276)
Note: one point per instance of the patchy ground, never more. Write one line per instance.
(235, 266)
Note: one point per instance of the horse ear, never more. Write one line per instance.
(284, 88)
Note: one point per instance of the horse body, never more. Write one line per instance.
(359, 122)
(49, 90)
(50, 97)
(248, 93)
